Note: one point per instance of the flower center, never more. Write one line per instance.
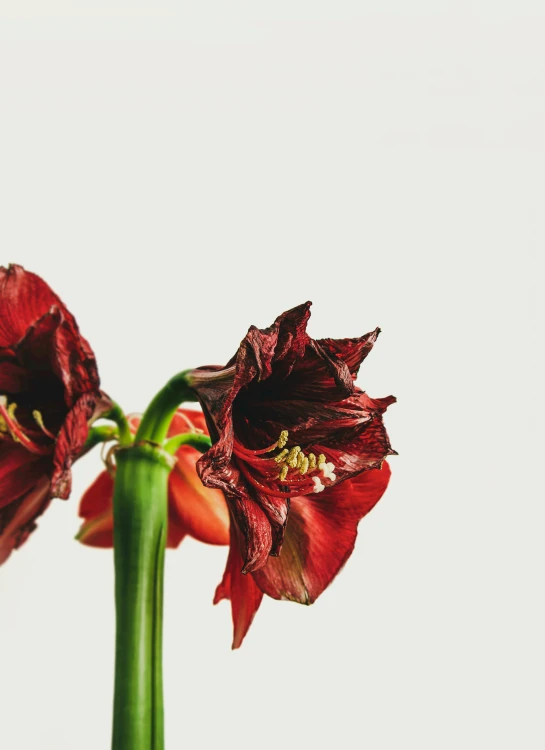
(11, 428)
(291, 472)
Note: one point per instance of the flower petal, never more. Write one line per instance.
(201, 511)
(320, 537)
(19, 471)
(18, 519)
(98, 497)
(187, 420)
(241, 589)
(71, 440)
(351, 351)
(24, 299)
(98, 531)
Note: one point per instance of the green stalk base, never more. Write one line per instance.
(140, 528)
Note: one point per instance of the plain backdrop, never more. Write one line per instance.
(178, 171)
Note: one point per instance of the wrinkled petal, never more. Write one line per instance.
(24, 299)
(256, 530)
(18, 519)
(71, 440)
(241, 589)
(350, 351)
(320, 537)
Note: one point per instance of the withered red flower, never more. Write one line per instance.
(193, 509)
(49, 394)
(288, 423)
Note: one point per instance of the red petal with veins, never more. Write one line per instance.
(320, 537)
(241, 589)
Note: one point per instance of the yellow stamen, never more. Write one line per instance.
(283, 439)
(40, 422)
(291, 458)
(283, 472)
(311, 461)
(304, 465)
(280, 458)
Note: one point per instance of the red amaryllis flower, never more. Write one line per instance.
(193, 509)
(287, 423)
(49, 394)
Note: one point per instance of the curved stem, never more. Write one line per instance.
(158, 416)
(100, 434)
(117, 415)
(140, 528)
(200, 442)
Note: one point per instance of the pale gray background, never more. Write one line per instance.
(178, 171)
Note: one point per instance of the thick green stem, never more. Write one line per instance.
(158, 416)
(140, 527)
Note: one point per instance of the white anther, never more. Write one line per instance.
(327, 470)
(318, 486)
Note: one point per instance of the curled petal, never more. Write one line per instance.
(351, 352)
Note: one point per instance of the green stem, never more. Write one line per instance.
(117, 415)
(201, 442)
(140, 527)
(100, 434)
(158, 416)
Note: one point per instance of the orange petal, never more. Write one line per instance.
(200, 510)
(98, 497)
(187, 420)
(99, 531)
